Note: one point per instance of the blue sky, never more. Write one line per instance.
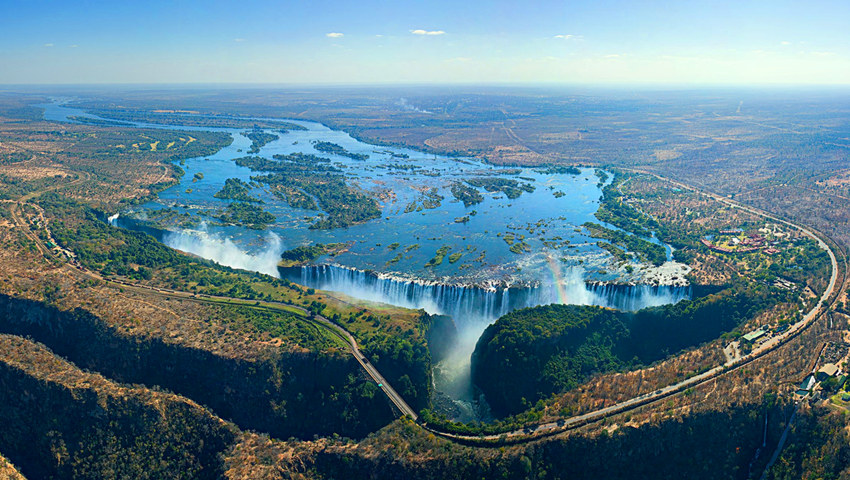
(306, 42)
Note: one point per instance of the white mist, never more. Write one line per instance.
(223, 251)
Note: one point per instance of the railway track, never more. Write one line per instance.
(531, 432)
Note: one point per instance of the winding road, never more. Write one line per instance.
(338, 331)
(528, 433)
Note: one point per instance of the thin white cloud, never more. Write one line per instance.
(238, 40)
(565, 37)
(427, 32)
(48, 45)
(334, 35)
(785, 42)
(74, 46)
(613, 55)
(823, 54)
(568, 36)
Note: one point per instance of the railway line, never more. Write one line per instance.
(536, 432)
(531, 432)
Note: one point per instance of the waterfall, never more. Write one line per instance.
(474, 307)
(635, 297)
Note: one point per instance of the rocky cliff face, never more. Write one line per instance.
(442, 336)
(706, 445)
(60, 422)
(282, 393)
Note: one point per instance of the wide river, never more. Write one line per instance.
(473, 287)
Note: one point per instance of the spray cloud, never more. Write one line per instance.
(222, 250)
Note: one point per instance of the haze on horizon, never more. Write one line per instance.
(724, 42)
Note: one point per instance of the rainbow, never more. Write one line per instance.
(557, 278)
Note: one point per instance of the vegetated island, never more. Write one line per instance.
(306, 181)
(510, 187)
(236, 189)
(428, 200)
(244, 214)
(559, 170)
(305, 254)
(466, 194)
(438, 257)
(259, 139)
(333, 148)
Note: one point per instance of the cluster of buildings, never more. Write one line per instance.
(829, 376)
(751, 243)
(825, 372)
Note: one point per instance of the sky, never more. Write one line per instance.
(696, 42)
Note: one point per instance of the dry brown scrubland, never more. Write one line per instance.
(25, 273)
(8, 471)
(45, 157)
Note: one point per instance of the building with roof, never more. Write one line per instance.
(806, 386)
(828, 370)
(754, 335)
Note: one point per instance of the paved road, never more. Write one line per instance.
(534, 432)
(530, 433)
(370, 369)
(337, 330)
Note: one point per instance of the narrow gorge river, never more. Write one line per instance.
(499, 254)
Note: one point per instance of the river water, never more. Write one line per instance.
(487, 280)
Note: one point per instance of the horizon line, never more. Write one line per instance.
(331, 85)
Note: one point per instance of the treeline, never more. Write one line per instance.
(530, 354)
(117, 251)
(99, 121)
(613, 210)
